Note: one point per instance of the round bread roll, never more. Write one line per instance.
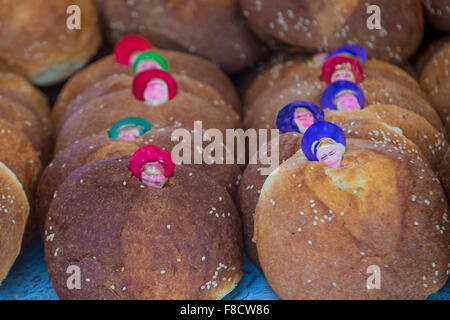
(438, 13)
(20, 157)
(14, 210)
(28, 94)
(118, 82)
(37, 43)
(101, 146)
(101, 113)
(215, 30)
(381, 209)
(250, 188)
(323, 25)
(435, 80)
(157, 244)
(30, 124)
(180, 63)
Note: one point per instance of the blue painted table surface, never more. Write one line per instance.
(29, 280)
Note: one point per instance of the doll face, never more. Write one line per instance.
(347, 102)
(331, 155)
(148, 65)
(129, 133)
(153, 175)
(343, 74)
(304, 119)
(156, 92)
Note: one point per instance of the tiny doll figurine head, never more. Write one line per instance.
(129, 129)
(129, 47)
(342, 68)
(154, 87)
(152, 165)
(150, 60)
(350, 51)
(153, 175)
(325, 142)
(298, 116)
(329, 152)
(343, 96)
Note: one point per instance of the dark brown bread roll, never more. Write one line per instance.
(156, 244)
(14, 210)
(215, 30)
(382, 208)
(36, 42)
(438, 13)
(321, 25)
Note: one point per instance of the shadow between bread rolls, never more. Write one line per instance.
(130, 242)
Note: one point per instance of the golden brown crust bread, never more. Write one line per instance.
(36, 42)
(435, 80)
(29, 123)
(215, 30)
(438, 13)
(20, 157)
(179, 62)
(431, 142)
(102, 113)
(321, 25)
(250, 188)
(14, 210)
(134, 255)
(118, 82)
(382, 208)
(100, 146)
(36, 99)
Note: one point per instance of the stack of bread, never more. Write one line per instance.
(359, 151)
(25, 141)
(114, 202)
